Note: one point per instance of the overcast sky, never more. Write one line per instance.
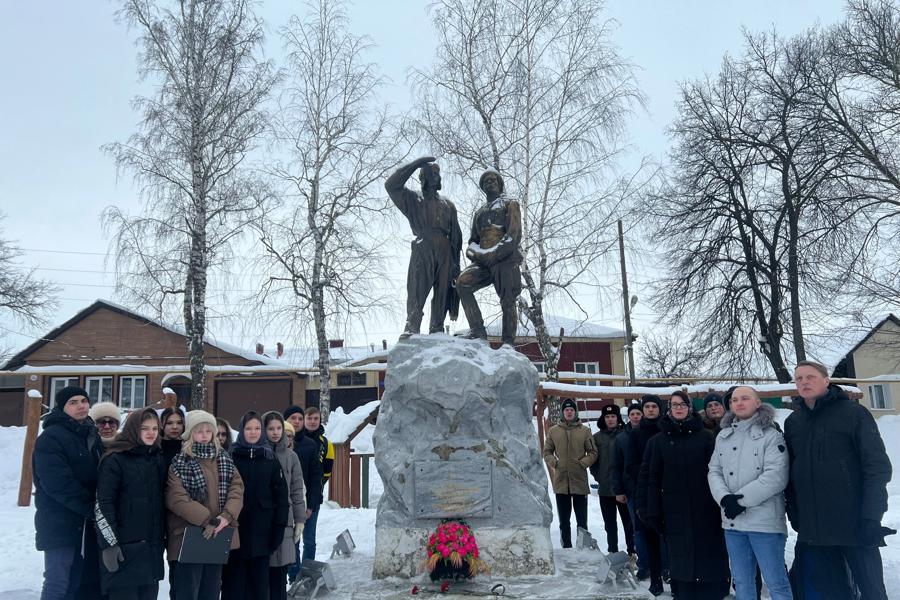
(67, 78)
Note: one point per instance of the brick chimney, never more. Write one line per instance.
(279, 350)
(335, 343)
(260, 349)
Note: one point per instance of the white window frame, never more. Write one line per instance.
(585, 368)
(66, 381)
(884, 398)
(131, 403)
(540, 365)
(99, 396)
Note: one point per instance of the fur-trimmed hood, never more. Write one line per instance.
(762, 420)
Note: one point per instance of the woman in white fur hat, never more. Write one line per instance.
(106, 417)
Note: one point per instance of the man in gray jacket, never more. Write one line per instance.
(748, 473)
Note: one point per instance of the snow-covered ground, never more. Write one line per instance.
(21, 565)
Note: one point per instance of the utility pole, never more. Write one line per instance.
(626, 303)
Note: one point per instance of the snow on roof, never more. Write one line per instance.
(340, 425)
(574, 328)
(699, 388)
(210, 337)
(344, 356)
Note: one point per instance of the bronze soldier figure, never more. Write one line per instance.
(434, 260)
(494, 252)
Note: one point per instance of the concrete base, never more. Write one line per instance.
(509, 552)
(575, 579)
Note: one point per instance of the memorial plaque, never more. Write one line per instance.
(453, 488)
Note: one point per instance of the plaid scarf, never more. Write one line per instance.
(188, 470)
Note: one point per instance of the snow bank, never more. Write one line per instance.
(341, 425)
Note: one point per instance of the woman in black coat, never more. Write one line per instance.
(680, 506)
(263, 518)
(172, 423)
(130, 510)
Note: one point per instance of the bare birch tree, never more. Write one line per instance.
(535, 90)
(324, 266)
(188, 155)
(24, 298)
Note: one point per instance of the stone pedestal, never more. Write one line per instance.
(455, 439)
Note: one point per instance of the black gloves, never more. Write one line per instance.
(872, 533)
(731, 507)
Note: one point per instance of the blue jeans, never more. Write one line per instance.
(62, 573)
(640, 545)
(745, 550)
(309, 536)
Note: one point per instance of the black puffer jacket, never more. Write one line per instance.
(170, 448)
(839, 470)
(130, 513)
(636, 460)
(265, 513)
(65, 479)
(308, 453)
(680, 504)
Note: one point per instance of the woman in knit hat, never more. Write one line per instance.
(286, 554)
(265, 516)
(130, 510)
(106, 418)
(713, 411)
(204, 490)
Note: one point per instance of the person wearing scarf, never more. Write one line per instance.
(129, 510)
(286, 554)
(680, 506)
(204, 489)
(264, 517)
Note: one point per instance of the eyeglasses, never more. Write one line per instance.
(678, 405)
(107, 423)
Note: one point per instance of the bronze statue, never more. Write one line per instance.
(434, 260)
(494, 252)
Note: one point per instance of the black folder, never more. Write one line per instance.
(198, 550)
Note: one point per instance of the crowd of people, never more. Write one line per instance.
(705, 498)
(113, 499)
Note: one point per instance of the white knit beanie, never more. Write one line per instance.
(194, 418)
(105, 410)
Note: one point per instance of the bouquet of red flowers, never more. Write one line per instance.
(453, 553)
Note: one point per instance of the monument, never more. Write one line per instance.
(494, 252)
(455, 440)
(434, 254)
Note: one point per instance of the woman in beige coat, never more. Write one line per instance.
(204, 490)
(286, 553)
(569, 451)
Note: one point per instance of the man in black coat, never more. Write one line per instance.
(623, 484)
(65, 481)
(308, 453)
(635, 468)
(837, 494)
